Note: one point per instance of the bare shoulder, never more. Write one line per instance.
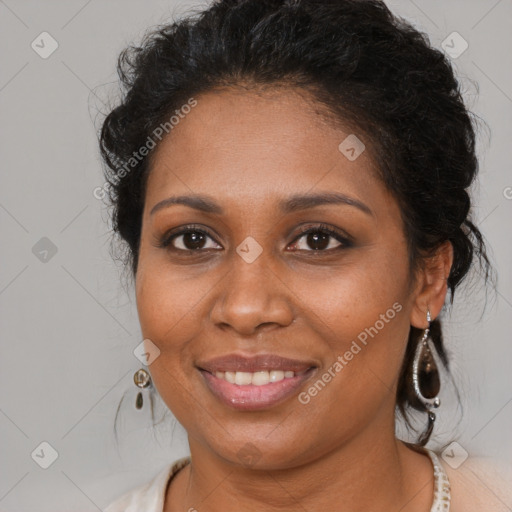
(480, 484)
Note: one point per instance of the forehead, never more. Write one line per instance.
(246, 146)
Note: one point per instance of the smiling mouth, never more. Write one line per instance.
(257, 378)
(252, 391)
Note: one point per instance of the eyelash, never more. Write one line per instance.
(344, 240)
(322, 228)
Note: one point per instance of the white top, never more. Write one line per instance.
(475, 491)
(150, 496)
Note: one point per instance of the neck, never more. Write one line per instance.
(370, 473)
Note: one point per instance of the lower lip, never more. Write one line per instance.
(251, 397)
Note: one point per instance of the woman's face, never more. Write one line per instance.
(255, 285)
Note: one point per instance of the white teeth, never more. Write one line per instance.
(229, 376)
(256, 378)
(243, 378)
(276, 376)
(260, 378)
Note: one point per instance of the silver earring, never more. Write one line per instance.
(425, 379)
(142, 380)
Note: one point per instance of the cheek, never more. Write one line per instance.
(166, 307)
(361, 315)
(169, 305)
(352, 297)
(364, 338)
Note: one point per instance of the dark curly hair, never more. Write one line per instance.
(371, 69)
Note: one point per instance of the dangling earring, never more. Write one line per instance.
(143, 380)
(426, 381)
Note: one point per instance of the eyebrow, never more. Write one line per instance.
(294, 203)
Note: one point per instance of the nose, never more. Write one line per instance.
(253, 299)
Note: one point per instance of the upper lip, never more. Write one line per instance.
(260, 362)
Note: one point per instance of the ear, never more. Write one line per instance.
(432, 286)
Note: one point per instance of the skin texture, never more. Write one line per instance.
(248, 151)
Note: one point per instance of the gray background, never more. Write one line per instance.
(68, 327)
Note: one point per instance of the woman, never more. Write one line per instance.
(290, 178)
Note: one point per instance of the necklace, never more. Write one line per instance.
(442, 495)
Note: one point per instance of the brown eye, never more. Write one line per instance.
(317, 240)
(320, 238)
(192, 240)
(188, 239)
